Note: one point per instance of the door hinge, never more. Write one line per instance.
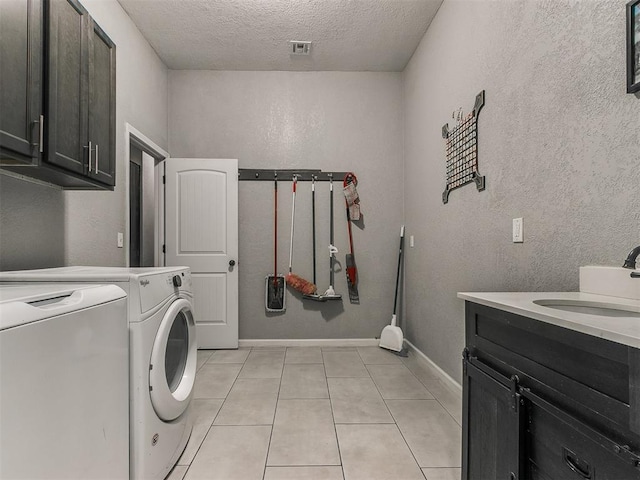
(164, 180)
(164, 249)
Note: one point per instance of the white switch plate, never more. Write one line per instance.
(411, 242)
(518, 236)
(120, 239)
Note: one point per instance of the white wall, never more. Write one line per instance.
(558, 143)
(43, 227)
(334, 121)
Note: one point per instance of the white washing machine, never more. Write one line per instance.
(162, 356)
(64, 392)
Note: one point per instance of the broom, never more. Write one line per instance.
(295, 281)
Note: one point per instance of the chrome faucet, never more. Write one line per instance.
(630, 262)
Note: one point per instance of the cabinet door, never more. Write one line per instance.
(493, 427)
(67, 80)
(561, 447)
(102, 105)
(20, 77)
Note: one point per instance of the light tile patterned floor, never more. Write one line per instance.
(311, 413)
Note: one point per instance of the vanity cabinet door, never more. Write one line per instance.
(492, 426)
(20, 80)
(561, 447)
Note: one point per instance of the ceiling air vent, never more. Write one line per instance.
(299, 48)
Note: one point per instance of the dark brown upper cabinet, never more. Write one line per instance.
(102, 106)
(20, 81)
(72, 134)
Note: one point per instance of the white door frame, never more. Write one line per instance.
(144, 143)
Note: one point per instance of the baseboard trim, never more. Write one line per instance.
(309, 342)
(430, 363)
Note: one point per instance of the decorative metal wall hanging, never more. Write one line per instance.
(633, 46)
(462, 150)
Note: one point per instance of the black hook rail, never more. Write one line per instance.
(304, 175)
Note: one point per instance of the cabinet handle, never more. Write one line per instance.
(41, 133)
(97, 158)
(90, 149)
(582, 468)
(40, 143)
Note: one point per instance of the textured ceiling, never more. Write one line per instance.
(348, 35)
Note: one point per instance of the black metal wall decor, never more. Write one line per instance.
(462, 151)
(633, 46)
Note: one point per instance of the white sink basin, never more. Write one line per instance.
(590, 308)
(610, 281)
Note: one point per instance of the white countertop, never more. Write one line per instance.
(623, 330)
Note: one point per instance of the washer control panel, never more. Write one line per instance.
(155, 288)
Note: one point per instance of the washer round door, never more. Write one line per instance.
(173, 362)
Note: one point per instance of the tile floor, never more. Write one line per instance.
(311, 413)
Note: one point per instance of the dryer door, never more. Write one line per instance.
(173, 362)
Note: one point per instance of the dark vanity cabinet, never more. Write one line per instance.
(544, 402)
(72, 132)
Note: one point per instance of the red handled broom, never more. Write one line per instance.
(295, 281)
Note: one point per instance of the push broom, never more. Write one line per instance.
(295, 281)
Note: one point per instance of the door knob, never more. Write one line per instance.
(232, 263)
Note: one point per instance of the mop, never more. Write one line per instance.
(295, 281)
(314, 296)
(391, 337)
(274, 285)
(330, 294)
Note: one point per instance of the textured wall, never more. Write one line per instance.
(31, 225)
(558, 143)
(326, 120)
(80, 227)
(94, 218)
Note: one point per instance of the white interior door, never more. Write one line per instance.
(201, 206)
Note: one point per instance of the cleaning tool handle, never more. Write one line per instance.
(331, 252)
(395, 299)
(313, 222)
(275, 231)
(293, 212)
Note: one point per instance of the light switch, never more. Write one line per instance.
(411, 242)
(120, 239)
(518, 236)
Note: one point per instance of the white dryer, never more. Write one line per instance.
(162, 356)
(64, 392)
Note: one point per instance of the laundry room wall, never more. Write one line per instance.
(32, 233)
(558, 144)
(333, 121)
(41, 226)
(93, 219)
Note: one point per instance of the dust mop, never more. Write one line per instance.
(330, 293)
(275, 300)
(391, 336)
(295, 281)
(314, 296)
